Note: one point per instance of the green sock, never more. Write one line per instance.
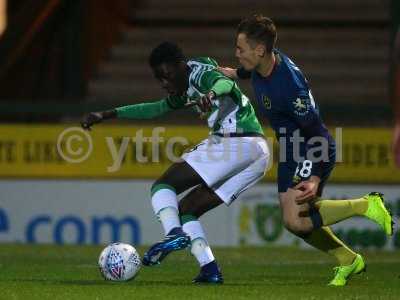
(187, 218)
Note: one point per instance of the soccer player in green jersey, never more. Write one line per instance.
(230, 160)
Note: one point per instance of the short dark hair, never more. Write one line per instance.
(166, 52)
(260, 29)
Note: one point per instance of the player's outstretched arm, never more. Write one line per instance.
(97, 117)
(136, 111)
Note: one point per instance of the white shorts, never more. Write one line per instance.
(229, 165)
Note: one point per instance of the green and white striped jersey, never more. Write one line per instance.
(231, 113)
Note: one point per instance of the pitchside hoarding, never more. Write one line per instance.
(88, 212)
(144, 152)
(259, 220)
(99, 212)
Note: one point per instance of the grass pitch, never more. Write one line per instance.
(70, 272)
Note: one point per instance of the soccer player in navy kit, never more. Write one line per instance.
(285, 99)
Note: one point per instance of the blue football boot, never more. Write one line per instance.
(175, 240)
(209, 273)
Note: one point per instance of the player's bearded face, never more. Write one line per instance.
(247, 54)
(173, 78)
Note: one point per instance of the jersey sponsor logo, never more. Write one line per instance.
(301, 107)
(266, 101)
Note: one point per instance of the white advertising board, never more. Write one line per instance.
(101, 211)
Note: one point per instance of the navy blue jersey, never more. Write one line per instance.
(285, 99)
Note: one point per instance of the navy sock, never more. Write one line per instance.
(211, 267)
(315, 217)
(175, 230)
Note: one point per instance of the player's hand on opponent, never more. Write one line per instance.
(90, 119)
(228, 72)
(204, 103)
(308, 188)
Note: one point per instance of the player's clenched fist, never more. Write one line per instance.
(96, 117)
(90, 119)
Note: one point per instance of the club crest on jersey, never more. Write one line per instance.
(301, 107)
(266, 101)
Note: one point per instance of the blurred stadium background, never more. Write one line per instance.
(60, 59)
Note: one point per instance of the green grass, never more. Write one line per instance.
(70, 272)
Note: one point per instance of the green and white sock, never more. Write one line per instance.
(165, 206)
(200, 247)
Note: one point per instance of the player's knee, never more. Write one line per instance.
(297, 227)
(161, 183)
(158, 182)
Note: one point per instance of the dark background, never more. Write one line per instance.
(60, 59)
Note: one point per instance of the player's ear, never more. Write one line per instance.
(260, 50)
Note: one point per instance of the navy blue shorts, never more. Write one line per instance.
(291, 173)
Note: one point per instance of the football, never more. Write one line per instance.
(119, 262)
